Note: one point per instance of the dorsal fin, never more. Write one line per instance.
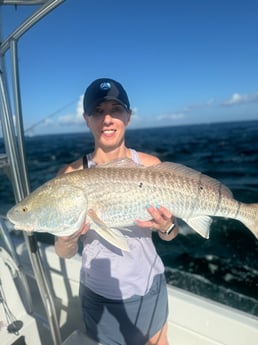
(120, 163)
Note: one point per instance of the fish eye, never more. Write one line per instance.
(24, 209)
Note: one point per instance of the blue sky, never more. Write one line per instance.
(181, 61)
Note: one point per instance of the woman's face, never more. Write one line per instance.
(108, 123)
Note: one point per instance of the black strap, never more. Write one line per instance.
(84, 162)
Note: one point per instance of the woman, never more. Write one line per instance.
(123, 294)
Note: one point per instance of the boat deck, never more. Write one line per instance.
(193, 320)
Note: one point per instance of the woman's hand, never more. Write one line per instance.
(67, 246)
(162, 221)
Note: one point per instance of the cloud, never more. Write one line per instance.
(135, 118)
(200, 105)
(71, 120)
(135, 111)
(75, 119)
(170, 117)
(236, 98)
(47, 122)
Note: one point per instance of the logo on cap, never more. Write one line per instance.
(105, 86)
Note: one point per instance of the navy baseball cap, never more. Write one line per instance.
(104, 89)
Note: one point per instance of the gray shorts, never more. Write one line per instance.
(125, 322)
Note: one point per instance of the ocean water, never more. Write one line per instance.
(224, 267)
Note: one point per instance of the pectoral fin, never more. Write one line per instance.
(200, 224)
(111, 235)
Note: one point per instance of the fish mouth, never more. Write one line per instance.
(10, 218)
(16, 224)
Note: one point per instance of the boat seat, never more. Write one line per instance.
(11, 307)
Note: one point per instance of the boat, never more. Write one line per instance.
(39, 303)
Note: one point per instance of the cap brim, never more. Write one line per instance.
(103, 99)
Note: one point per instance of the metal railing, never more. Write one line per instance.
(13, 134)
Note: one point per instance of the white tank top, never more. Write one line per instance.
(117, 274)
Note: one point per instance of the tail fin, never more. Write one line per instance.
(250, 218)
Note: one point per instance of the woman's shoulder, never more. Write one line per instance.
(76, 165)
(147, 159)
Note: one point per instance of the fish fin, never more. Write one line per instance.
(110, 235)
(176, 167)
(120, 163)
(125, 229)
(200, 224)
(252, 223)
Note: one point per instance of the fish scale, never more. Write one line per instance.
(114, 195)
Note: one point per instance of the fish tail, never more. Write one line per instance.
(251, 219)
